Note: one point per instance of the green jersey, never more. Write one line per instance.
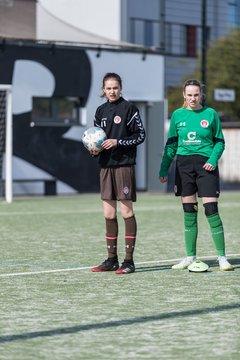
(193, 132)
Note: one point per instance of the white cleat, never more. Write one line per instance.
(184, 263)
(224, 265)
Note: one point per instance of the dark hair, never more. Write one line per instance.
(195, 83)
(192, 82)
(111, 75)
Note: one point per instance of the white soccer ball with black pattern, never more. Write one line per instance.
(93, 138)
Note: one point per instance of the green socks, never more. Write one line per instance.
(191, 227)
(191, 232)
(217, 231)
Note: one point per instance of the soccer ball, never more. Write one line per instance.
(93, 138)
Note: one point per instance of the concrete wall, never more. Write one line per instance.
(229, 164)
(52, 150)
(18, 18)
(101, 18)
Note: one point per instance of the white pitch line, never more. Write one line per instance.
(45, 271)
(89, 267)
(179, 259)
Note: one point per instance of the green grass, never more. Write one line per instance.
(53, 307)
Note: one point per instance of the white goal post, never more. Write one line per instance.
(6, 137)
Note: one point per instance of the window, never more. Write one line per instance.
(56, 111)
(234, 13)
(191, 40)
(148, 33)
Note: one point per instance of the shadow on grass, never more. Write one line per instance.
(211, 264)
(153, 268)
(117, 323)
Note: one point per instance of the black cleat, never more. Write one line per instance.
(127, 267)
(111, 264)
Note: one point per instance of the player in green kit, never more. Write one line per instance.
(195, 137)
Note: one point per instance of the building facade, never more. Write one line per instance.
(61, 51)
(175, 28)
(57, 74)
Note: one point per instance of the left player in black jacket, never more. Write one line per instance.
(122, 123)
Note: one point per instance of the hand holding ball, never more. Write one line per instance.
(93, 138)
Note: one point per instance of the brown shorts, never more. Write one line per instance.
(118, 183)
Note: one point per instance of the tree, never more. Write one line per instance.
(223, 71)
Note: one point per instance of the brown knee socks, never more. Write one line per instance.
(130, 236)
(111, 237)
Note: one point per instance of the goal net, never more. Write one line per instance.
(6, 141)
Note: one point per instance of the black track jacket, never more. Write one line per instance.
(120, 120)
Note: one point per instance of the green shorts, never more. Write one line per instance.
(118, 183)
